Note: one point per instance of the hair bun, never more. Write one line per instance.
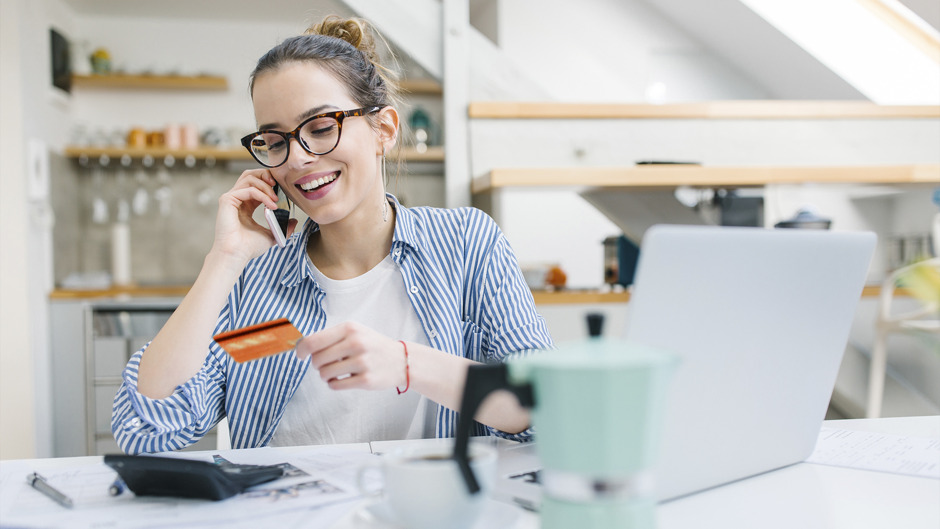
(353, 30)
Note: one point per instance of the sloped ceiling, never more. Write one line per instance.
(757, 49)
(928, 10)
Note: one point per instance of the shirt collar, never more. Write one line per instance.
(295, 264)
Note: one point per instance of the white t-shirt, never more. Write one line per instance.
(319, 415)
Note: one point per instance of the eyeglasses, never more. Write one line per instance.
(317, 135)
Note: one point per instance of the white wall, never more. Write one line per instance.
(613, 50)
(593, 51)
(226, 48)
(17, 423)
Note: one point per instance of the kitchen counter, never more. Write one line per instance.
(542, 297)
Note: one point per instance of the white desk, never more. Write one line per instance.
(804, 496)
(812, 496)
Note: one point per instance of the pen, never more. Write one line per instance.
(39, 483)
(116, 488)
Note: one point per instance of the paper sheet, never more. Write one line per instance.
(318, 499)
(897, 454)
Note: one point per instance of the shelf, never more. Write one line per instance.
(703, 176)
(780, 109)
(117, 292)
(433, 154)
(564, 297)
(175, 82)
(116, 153)
(421, 87)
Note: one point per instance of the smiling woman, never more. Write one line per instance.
(393, 303)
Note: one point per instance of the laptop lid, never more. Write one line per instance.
(760, 319)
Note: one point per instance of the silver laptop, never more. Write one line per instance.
(760, 319)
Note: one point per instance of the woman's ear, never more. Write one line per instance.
(386, 129)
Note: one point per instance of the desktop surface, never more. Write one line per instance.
(803, 495)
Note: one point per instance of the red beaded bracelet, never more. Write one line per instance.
(407, 371)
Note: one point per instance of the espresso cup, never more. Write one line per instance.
(422, 486)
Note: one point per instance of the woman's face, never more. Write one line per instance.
(343, 184)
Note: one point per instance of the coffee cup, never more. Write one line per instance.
(422, 487)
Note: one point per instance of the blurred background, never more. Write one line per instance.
(576, 125)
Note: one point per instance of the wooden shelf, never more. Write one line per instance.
(780, 109)
(433, 154)
(176, 82)
(158, 153)
(171, 291)
(703, 176)
(563, 297)
(421, 87)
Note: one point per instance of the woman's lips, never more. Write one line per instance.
(317, 187)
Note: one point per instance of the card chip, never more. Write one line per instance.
(259, 340)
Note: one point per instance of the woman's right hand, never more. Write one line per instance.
(237, 234)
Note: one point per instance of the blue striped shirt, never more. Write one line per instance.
(463, 282)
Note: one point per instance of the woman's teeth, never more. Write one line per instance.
(313, 184)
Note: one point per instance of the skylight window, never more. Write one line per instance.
(888, 62)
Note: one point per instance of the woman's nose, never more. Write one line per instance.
(297, 156)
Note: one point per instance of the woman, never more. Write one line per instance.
(394, 303)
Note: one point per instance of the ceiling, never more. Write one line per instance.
(755, 48)
(928, 10)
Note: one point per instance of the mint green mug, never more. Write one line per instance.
(597, 412)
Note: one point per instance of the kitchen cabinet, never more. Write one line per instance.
(92, 340)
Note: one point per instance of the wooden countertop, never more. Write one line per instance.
(542, 297)
(133, 291)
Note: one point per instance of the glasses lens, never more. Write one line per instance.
(320, 135)
(269, 149)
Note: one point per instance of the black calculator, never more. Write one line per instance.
(186, 478)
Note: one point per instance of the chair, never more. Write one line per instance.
(922, 280)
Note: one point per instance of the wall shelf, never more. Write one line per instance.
(756, 109)
(648, 176)
(566, 297)
(433, 154)
(421, 87)
(115, 153)
(176, 82)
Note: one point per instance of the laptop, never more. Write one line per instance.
(760, 319)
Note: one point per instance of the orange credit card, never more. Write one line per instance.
(259, 340)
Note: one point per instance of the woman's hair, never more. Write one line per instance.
(344, 47)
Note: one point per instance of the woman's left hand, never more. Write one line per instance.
(353, 356)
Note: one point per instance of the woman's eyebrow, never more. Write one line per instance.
(306, 114)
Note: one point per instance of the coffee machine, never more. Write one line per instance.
(597, 412)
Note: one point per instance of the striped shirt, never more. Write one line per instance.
(464, 284)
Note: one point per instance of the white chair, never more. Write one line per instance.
(925, 319)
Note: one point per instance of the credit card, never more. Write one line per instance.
(259, 340)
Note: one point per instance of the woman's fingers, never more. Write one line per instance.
(351, 355)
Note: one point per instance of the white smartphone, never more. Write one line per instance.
(280, 237)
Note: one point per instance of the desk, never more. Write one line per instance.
(804, 495)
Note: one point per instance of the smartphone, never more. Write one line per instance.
(277, 220)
